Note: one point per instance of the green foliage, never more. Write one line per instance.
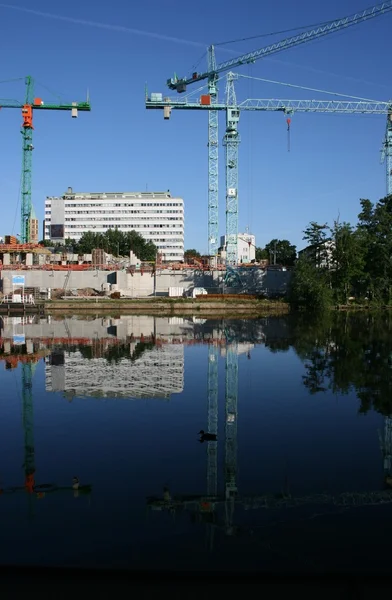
(347, 352)
(350, 262)
(281, 252)
(347, 260)
(309, 287)
(116, 242)
(316, 236)
(261, 253)
(375, 223)
(192, 253)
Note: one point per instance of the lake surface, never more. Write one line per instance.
(297, 480)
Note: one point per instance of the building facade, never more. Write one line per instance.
(320, 255)
(246, 247)
(157, 216)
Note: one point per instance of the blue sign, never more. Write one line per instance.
(18, 280)
(19, 339)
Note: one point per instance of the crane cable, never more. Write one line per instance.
(309, 89)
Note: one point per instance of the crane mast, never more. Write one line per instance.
(27, 161)
(231, 142)
(286, 106)
(386, 152)
(212, 447)
(213, 165)
(28, 426)
(212, 76)
(28, 107)
(386, 450)
(231, 431)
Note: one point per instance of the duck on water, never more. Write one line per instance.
(207, 437)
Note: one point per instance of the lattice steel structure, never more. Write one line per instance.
(212, 392)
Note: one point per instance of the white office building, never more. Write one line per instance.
(157, 216)
(246, 247)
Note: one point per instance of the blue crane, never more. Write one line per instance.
(287, 107)
(211, 100)
(386, 152)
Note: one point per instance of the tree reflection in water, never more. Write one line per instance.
(344, 353)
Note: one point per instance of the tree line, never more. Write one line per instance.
(346, 263)
(113, 241)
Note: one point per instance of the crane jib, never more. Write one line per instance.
(180, 85)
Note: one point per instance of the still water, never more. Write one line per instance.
(101, 463)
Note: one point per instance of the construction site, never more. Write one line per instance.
(29, 271)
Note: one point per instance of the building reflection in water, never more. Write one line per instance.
(139, 357)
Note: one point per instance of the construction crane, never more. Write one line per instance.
(231, 412)
(211, 99)
(212, 396)
(28, 424)
(28, 107)
(205, 505)
(386, 152)
(288, 108)
(386, 450)
(30, 486)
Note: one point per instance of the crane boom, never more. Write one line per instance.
(290, 42)
(287, 106)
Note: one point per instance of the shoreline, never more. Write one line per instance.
(154, 306)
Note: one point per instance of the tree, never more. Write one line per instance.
(118, 243)
(192, 253)
(347, 261)
(261, 254)
(145, 250)
(375, 223)
(281, 252)
(309, 287)
(316, 237)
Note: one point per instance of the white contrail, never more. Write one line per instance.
(167, 38)
(120, 28)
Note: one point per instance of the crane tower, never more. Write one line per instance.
(386, 152)
(28, 107)
(211, 101)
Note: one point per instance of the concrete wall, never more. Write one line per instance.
(58, 279)
(138, 285)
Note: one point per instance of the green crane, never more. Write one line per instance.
(28, 107)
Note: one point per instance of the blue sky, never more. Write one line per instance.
(334, 159)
